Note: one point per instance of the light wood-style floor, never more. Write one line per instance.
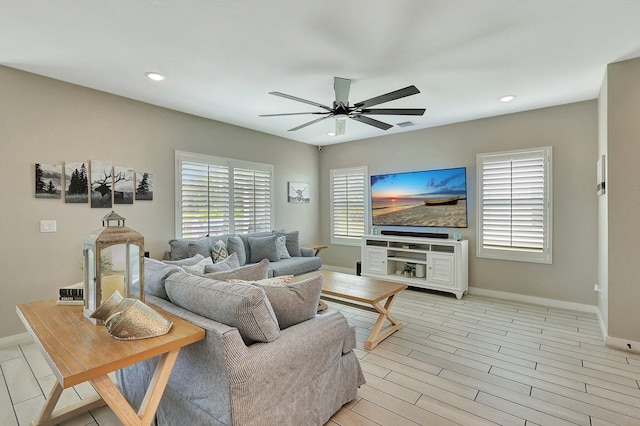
(469, 362)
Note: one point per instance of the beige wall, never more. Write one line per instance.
(572, 132)
(623, 150)
(48, 121)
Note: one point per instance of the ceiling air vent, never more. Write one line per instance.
(406, 124)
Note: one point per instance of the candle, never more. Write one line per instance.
(112, 283)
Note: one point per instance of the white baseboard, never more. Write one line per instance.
(621, 344)
(514, 297)
(17, 339)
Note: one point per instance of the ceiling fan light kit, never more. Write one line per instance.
(341, 110)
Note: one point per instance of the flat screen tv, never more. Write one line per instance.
(430, 198)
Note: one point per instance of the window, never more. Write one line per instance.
(218, 195)
(349, 197)
(514, 207)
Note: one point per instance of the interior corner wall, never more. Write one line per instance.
(572, 132)
(623, 187)
(49, 121)
(603, 207)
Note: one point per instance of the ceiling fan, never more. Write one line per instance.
(359, 111)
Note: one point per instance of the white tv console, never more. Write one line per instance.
(439, 264)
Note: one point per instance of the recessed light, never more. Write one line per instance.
(507, 98)
(331, 134)
(155, 76)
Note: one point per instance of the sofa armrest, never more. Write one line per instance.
(307, 252)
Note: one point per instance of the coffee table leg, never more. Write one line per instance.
(378, 334)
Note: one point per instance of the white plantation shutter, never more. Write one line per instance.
(514, 207)
(348, 204)
(251, 200)
(218, 195)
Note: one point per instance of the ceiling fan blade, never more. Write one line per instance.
(341, 86)
(340, 127)
(295, 98)
(370, 121)
(291, 113)
(393, 111)
(391, 96)
(310, 123)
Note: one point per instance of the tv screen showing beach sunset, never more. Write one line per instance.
(433, 198)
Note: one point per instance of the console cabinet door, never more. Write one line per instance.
(376, 261)
(441, 269)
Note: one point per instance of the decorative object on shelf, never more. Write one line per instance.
(420, 270)
(601, 173)
(408, 270)
(124, 272)
(298, 192)
(144, 186)
(130, 319)
(457, 235)
(48, 180)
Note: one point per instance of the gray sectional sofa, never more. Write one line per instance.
(251, 248)
(268, 358)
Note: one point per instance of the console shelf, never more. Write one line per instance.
(438, 264)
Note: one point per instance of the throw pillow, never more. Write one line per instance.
(179, 249)
(281, 246)
(155, 274)
(189, 261)
(219, 251)
(201, 245)
(231, 262)
(198, 268)
(295, 302)
(282, 279)
(292, 242)
(263, 248)
(256, 271)
(241, 306)
(235, 245)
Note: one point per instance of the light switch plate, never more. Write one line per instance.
(48, 226)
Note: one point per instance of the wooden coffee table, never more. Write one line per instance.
(78, 351)
(369, 293)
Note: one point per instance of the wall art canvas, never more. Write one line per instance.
(76, 182)
(298, 192)
(122, 185)
(48, 180)
(144, 186)
(101, 184)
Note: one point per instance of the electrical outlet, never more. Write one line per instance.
(48, 226)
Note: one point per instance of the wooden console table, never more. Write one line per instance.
(78, 351)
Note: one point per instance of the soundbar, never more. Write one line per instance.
(415, 234)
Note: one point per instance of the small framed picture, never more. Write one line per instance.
(298, 192)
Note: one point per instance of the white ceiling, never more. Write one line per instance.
(222, 57)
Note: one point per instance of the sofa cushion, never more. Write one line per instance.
(295, 302)
(198, 268)
(256, 271)
(244, 307)
(264, 248)
(231, 262)
(189, 261)
(155, 274)
(235, 245)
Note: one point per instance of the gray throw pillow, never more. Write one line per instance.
(155, 274)
(295, 302)
(189, 261)
(202, 246)
(231, 262)
(235, 245)
(242, 306)
(292, 242)
(252, 272)
(264, 248)
(179, 249)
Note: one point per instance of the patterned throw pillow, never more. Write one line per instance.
(219, 251)
(282, 279)
(198, 268)
(281, 246)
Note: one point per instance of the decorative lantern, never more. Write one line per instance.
(113, 259)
